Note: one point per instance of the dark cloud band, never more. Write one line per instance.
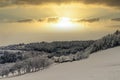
(116, 19)
(88, 20)
(4, 3)
(56, 19)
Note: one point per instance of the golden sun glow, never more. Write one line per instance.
(65, 23)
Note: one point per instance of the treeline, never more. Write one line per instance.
(56, 48)
(26, 66)
(109, 41)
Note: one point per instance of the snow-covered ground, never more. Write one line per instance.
(103, 65)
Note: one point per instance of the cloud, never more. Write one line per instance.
(4, 3)
(47, 20)
(41, 20)
(113, 3)
(53, 19)
(26, 21)
(116, 19)
(87, 20)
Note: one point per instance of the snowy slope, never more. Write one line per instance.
(103, 65)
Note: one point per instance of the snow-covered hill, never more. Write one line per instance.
(103, 65)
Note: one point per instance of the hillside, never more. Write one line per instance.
(21, 59)
(106, 42)
(103, 65)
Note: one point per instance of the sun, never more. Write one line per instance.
(64, 23)
(64, 19)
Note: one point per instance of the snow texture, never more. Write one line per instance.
(103, 65)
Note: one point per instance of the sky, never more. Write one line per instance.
(27, 21)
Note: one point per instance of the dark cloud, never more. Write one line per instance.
(41, 20)
(53, 19)
(87, 20)
(116, 19)
(25, 21)
(3, 3)
(114, 3)
(48, 20)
